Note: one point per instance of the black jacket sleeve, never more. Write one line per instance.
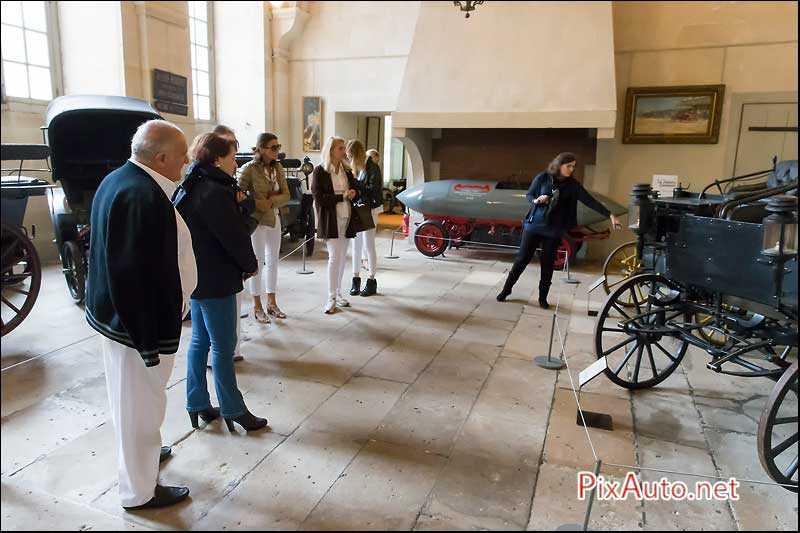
(535, 187)
(372, 187)
(322, 197)
(228, 226)
(590, 201)
(140, 290)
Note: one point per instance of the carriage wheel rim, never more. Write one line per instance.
(32, 270)
(639, 349)
(769, 420)
(621, 262)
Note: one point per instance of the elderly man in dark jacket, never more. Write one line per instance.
(141, 272)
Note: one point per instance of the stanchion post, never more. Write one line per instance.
(585, 526)
(304, 270)
(548, 362)
(566, 267)
(391, 248)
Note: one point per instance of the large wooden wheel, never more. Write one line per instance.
(641, 346)
(22, 277)
(621, 265)
(777, 431)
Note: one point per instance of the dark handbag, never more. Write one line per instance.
(363, 218)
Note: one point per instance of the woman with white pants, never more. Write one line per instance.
(370, 185)
(334, 188)
(265, 179)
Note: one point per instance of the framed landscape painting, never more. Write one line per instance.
(312, 124)
(673, 115)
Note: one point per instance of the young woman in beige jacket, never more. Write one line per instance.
(265, 180)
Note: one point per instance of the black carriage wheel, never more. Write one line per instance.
(634, 342)
(74, 269)
(311, 231)
(22, 277)
(431, 238)
(777, 435)
(621, 262)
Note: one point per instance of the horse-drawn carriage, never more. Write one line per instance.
(718, 272)
(21, 268)
(89, 136)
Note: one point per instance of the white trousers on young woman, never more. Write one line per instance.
(266, 243)
(365, 240)
(337, 258)
(138, 398)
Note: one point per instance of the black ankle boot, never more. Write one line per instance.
(371, 288)
(248, 421)
(544, 288)
(503, 295)
(206, 415)
(356, 288)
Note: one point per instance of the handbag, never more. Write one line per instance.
(363, 219)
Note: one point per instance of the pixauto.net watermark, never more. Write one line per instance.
(663, 489)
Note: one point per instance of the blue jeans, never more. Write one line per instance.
(214, 327)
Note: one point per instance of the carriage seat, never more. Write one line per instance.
(22, 153)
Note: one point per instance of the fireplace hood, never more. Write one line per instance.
(511, 65)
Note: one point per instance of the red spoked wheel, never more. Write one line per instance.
(566, 248)
(431, 238)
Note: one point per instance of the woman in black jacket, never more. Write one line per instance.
(554, 195)
(209, 201)
(370, 187)
(334, 188)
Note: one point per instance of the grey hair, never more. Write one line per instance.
(152, 138)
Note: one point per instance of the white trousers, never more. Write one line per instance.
(365, 240)
(337, 258)
(138, 402)
(266, 239)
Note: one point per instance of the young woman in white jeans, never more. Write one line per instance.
(265, 179)
(334, 188)
(370, 184)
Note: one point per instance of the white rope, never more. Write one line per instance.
(572, 383)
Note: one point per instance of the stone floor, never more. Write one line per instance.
(418, 409)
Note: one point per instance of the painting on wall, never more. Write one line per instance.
(312, 124)
(673, 115)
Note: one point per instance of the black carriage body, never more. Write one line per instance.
(89, 136)
(715, 257)
(722, 256)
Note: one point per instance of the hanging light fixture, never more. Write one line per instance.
(467, 6)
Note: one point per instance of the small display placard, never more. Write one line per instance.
(170, 92)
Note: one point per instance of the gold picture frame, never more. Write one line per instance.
(687, 114)
(312, 124)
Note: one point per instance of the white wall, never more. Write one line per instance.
(353, 55)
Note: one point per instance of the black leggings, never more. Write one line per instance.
(527, 247)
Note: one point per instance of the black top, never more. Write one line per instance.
(133, 293)
(371, 185)
(560, 214)
(220, 238)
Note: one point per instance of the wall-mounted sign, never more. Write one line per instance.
(170, 92)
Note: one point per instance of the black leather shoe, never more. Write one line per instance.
(356, 287)
(371, 288)
(503, 295)
(166, 451)
(163, 497)
(543, 303)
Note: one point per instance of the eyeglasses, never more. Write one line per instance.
(274, 147)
